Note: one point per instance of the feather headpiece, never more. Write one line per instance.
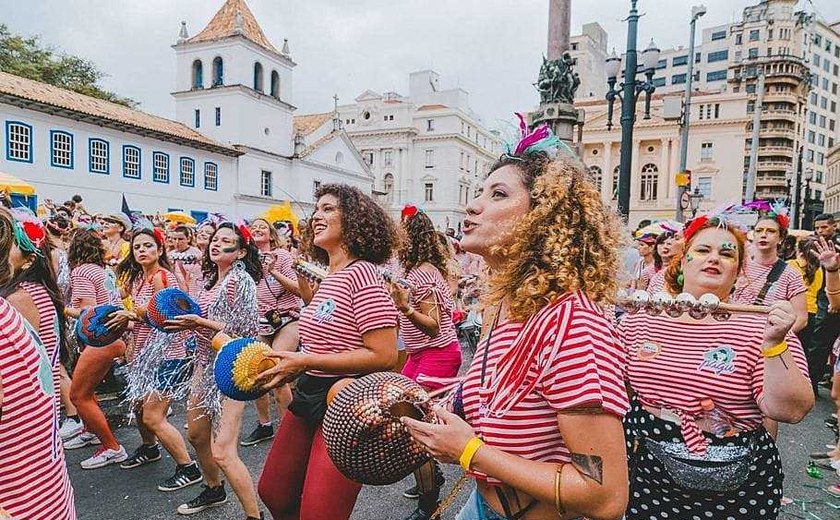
(540, 139)
(29, 231)
(775, 210)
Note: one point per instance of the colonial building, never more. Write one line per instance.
(426, 148)
(233, 148)
(832, 181)
(715, 152)
(798, 55)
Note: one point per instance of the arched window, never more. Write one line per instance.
(597, 176)
(389, 187)
(275, 84)
(616, 172)
(218, 72)
(339, 158)
(197, 75)
(258, 77)
(650, 182)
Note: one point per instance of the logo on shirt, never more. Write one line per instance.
(720, 360)
(324, 311)
(649, 350)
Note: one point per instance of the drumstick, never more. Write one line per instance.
(743, 308)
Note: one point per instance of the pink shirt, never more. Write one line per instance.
(348, 304)
(33, 476)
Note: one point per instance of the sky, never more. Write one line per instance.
(491, 48)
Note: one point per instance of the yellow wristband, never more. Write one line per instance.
(469, 452)
(776, 351)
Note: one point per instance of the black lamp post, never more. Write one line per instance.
(628, 94)
(694, 200)
(788, 183)
(806, 205)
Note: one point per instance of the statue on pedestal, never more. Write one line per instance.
(557, 82)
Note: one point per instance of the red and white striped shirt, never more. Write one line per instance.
(428, 287)
(348, 304)
(272, 295)
(190, 260)
(788, 285)
(33, 476)
(142, 291)
(677, 363)
(47, 329)
(656, 282)
(93, 282)
(578, 362)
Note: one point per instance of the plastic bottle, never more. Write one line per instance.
(719, 422)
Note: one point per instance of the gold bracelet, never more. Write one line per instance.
(469, 452)
(776, 351)
(558, 493)
(832, 293)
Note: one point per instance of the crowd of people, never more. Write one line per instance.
(572, 405)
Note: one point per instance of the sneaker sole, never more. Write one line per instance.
(190, 483)
(108, 462)
(68, 436)
(149, 461)
(96, 442)
(255, 442)
(194, 510)
(411, 496)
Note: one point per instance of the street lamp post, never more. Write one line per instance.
(696, 12)
(628, 94)
(806, 210)
(694, 200)
(789, 184)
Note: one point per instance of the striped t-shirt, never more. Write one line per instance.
(577, 362)
(270, 293)
(93, 282)
(142, 291)
(47, 329)
(788, 285)
(428, 287)
(33, 476)
(348, 304)
(677, 363)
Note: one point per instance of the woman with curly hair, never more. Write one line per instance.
(701, 389)
(232, 270)
(158, 361)
(543, 399)
(91, 284)
(279, 309)
(349, 329)
(425, 303)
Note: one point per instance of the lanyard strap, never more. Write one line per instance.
(487, 345)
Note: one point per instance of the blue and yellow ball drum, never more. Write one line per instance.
(238, 363)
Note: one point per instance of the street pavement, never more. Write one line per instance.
(112, 493)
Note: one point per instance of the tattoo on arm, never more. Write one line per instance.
(590, 466)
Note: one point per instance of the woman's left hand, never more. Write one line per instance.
(780, 319)
(445, 441)
(829, 258)
(185, 322)
(400, 295)
(290, 365)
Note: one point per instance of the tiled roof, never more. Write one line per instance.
(48, 98)
(224, 25)
(306, 124)
(431, 107)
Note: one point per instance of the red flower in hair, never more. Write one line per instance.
(783, 221)
(35, 231)
(694, 227)
(246, 234)
(409, 210)
(159, 236)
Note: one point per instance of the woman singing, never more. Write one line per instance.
(426, 329)
(279, 309)
(144, 272)
(544, 396)
(231, 271)
(702, 388)
(348, 329)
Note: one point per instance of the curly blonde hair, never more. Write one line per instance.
(567, 241)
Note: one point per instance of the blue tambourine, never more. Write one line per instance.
(237, 366)
(91, 329)
(167, 304)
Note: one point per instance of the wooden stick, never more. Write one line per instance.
(743, 308)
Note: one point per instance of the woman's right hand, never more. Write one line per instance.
(828, 256)
(780, 319)
(119, 319)
(185, 322)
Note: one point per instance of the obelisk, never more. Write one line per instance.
(557, 81)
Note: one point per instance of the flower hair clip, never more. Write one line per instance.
(159, 235)
(247, 237)
(409, 210)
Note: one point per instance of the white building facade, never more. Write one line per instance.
(232, 149)
(427, 148)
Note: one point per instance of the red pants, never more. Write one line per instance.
(434, 362)
(299, 481)
(91, 369)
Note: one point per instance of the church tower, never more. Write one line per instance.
(233, 85)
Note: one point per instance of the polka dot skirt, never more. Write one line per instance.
(654, 496)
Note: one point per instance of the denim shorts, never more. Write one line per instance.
(476, 508)
(171, 373)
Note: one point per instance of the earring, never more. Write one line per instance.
(680, 278)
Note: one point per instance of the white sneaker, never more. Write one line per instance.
(70, 428)
(80, 441)
(103, 457)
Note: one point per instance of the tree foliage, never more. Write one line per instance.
(28, 58)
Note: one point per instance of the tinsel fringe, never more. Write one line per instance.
(142, 377)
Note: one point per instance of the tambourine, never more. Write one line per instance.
(167, 304)
(238, 363)
(363, 433)
(91, 329)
